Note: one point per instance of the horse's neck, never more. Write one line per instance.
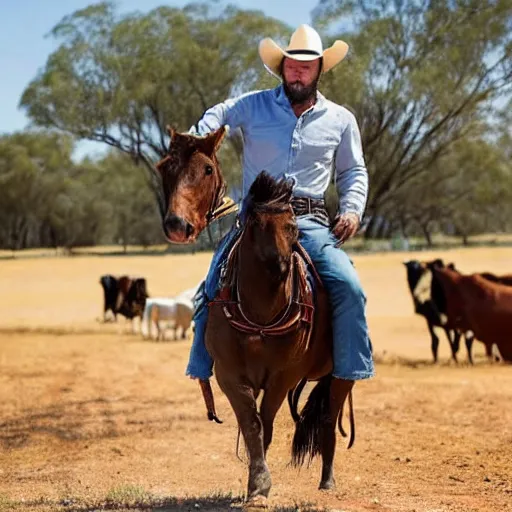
(261, 298)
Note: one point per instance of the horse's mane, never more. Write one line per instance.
(267, 193)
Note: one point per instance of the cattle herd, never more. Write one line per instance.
(473, 306)
(128, 296)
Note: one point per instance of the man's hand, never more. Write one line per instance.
(345, 226)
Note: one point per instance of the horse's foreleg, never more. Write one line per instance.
(272, 401)
(339, 390)
(243, 401)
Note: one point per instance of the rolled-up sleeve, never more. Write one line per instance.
(350, 171)
(229, 112)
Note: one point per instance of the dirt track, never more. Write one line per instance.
(90, 415)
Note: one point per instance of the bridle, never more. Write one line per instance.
(215, 209)
(219, 207)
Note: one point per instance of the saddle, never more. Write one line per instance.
(299, 312)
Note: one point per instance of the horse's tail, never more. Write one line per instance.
(307, 439)
(293, 399)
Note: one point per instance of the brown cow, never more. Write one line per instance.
(132, 296)
(506, 279)
(430, 302)
(124, 295)
(483, 306)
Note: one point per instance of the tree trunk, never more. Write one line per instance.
(382, 229)
(370, 228)
(403, 226)
(427, 234)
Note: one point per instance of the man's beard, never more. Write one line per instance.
(298, 93)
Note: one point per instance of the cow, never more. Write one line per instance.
(178, 311)
(482, 305)
(505, 279)
(132, 296)
(124, 295)
(110, 292)
(430, 302)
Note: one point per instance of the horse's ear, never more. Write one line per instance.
(211, 143)
(171, 131)
(180, 140)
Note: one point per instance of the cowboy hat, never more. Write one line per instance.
(305, 44)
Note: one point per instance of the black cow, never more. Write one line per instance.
(124, 295)
(110, 293)
(430, 302)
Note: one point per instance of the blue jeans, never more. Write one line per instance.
(352, 348)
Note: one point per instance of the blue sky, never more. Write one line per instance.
(24, 47)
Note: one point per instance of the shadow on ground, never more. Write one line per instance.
(219, 503)
(98, 418)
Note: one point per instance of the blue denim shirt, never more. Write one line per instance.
(306, 149)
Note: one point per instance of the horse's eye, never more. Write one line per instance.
(208, 170)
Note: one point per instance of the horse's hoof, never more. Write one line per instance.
(256, 504)
(328, 485)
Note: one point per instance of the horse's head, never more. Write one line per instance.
(192, 184)
(270, 225)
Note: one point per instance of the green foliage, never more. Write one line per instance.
(429, 83)
(466, 192)
(47, 200)
(120, 79)
(421, 76)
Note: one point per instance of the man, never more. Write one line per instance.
(295, 133)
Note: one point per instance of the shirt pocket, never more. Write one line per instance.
(318, 147)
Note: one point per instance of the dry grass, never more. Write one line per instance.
(92, 417)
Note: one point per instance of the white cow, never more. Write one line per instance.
(176, 312)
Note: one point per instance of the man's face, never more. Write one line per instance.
(300, 79)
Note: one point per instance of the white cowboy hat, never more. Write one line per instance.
(305, 44)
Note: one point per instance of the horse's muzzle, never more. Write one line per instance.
(177, 229)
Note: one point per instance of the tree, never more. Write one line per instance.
(134, 217)
(467, 192)
(29, 164)
(48, 200)
(421, 76)
(119, 79)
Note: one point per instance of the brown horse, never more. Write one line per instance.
(264, 331)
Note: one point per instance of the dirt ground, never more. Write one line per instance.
(94, 417)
